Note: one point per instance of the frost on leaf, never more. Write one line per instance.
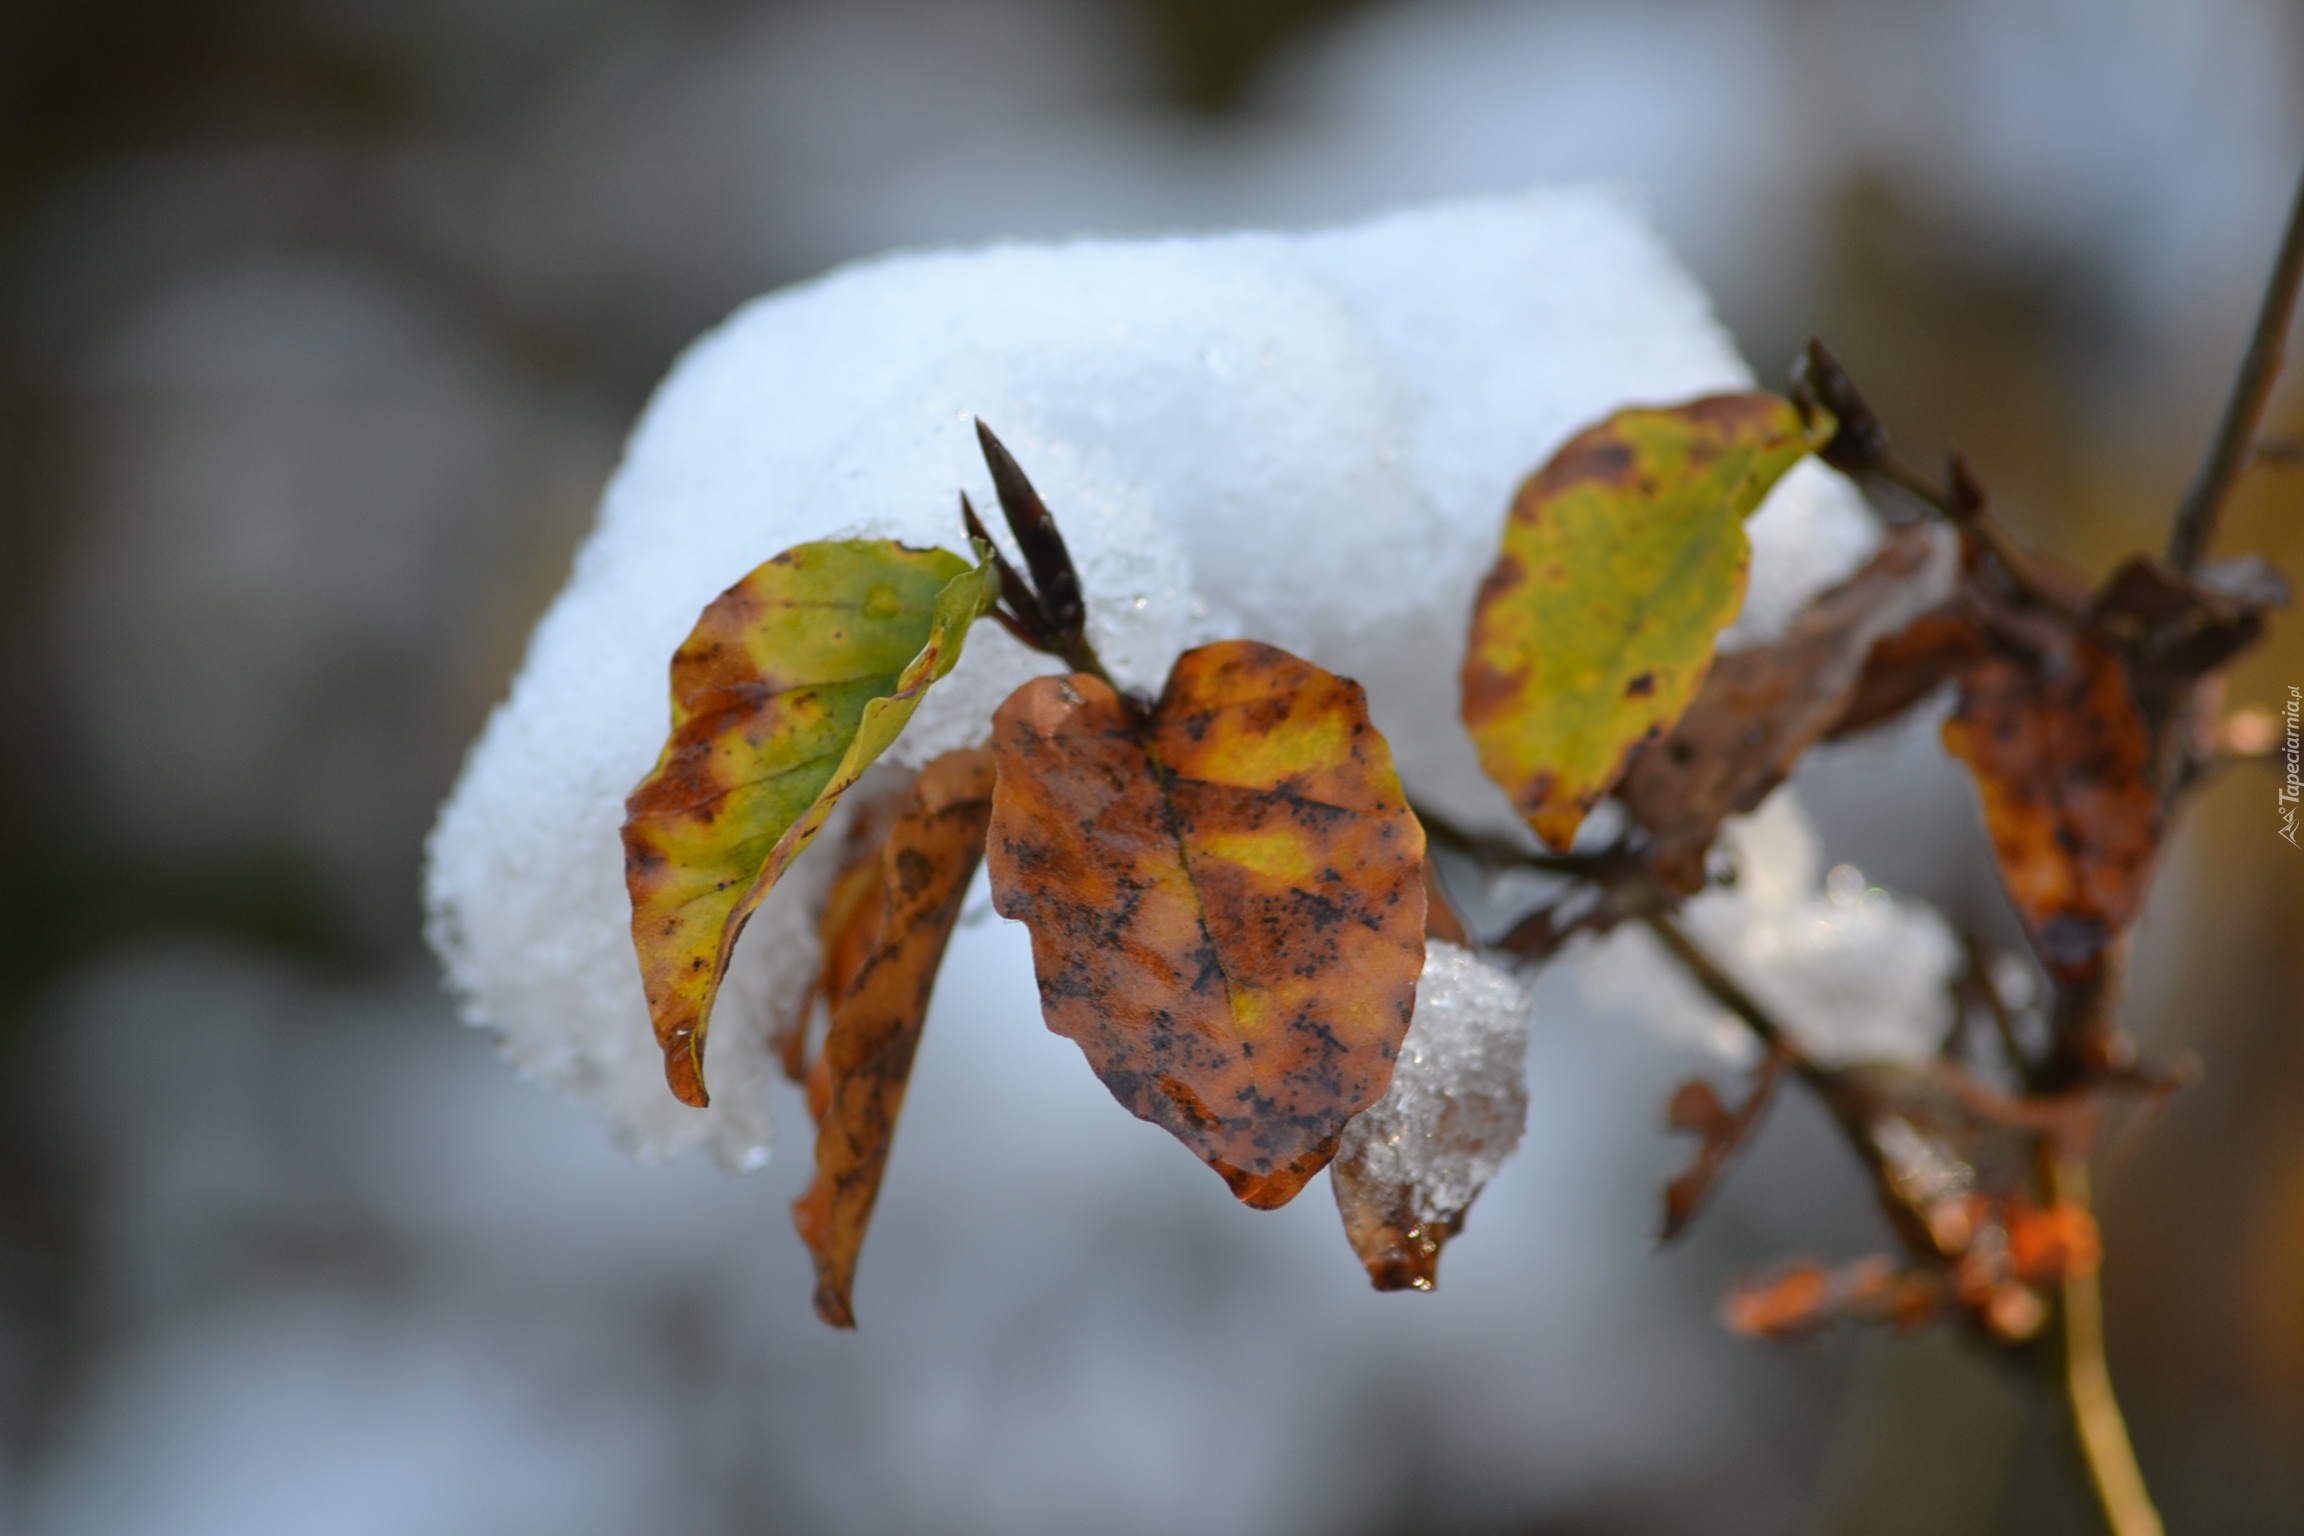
(1409, 1166)
(1622, 560)
(1226, 898)
(879, 974)
(792, 682)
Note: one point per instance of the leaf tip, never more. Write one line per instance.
(684, 1071)
(833, 1308)
(1556, 825)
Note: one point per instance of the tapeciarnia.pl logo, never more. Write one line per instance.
(2292, 757)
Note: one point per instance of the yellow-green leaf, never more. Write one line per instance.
(1623, 559)
(794, 680)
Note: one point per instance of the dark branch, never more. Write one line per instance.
(2228, 451)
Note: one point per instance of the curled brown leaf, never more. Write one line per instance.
(879, 991)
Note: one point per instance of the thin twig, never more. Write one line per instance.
(1496, 852)
(2228, 452)
(1722, 987)
(1850, 1105)
(2096, 1421)
(1961, 502)
(1979, 966)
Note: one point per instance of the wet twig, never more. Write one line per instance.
(2097, 1425)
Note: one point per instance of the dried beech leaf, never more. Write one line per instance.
(1696, 1108)
(2176, 628)
(1906, 667)
(1622, 560)
(2147, 591)
(924, 867)
(846, 929)
(1226, 899)
(792, 682)
(2061, 758)
(1760, 709)
(1409, 1166)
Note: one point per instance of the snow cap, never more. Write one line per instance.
(1305, 439)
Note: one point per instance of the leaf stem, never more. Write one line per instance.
(2228, 452)
(2096, 1420)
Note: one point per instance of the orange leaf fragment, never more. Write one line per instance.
(2049, 1246)
(1804, 1297)
(924, 867)
(1792, 1302)
(1226, 899)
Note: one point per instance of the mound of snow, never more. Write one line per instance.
(1306, 439)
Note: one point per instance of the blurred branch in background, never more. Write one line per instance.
(2232, 447)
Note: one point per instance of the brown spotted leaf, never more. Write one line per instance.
(1622, 560)
(794, 680)
(1760, 709)
(1226, 899)
(2061, 757)
(879, 1001)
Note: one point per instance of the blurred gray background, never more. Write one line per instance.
(320, 324)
